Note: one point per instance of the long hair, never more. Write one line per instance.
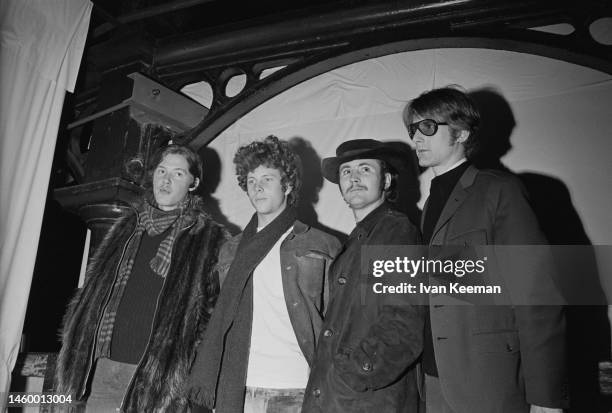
(391, 191)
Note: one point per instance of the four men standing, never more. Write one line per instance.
(292, 329)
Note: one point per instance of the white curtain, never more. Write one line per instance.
(560, 110)
(41, 45)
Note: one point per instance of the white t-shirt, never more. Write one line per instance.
(275, 358)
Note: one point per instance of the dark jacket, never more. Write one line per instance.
(366, 353)
(183, 309)
(306, 255)
(498, 358)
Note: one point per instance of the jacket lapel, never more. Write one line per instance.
(458, 195)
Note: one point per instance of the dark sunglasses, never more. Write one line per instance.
(428, 127)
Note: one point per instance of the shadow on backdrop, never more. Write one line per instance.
(408, 187)
(212, 176)
(588, 327)
(312, 182)
(408, 190)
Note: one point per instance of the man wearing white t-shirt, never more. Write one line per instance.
(257, 351)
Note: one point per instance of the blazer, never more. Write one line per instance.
(496, 358)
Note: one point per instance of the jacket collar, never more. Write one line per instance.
(299, 227)
(468, 177)
(370, 220)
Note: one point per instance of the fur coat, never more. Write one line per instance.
(184, 307)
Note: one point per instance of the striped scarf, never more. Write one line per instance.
(155, 222)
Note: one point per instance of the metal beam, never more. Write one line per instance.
(301, 35)
(256, 93)
(321, 42)
(146, 13)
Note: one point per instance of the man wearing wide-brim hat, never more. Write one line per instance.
(366, 350)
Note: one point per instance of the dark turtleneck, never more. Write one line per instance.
(441, 188)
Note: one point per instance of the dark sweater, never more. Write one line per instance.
(137, 308)
(441, 188)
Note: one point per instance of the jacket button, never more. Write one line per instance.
(328, 333)
(288, 267)
(316, 392)
(366, 366)
(341, 280)
(295, 303)
(509, 347)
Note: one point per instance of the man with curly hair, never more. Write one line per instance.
(257, 352)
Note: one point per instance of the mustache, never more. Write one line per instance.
(354, 186)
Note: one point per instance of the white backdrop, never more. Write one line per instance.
(562, 113)
(41, 45)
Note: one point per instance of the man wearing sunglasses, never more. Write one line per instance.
(481, 358)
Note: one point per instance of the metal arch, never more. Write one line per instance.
(225, 111)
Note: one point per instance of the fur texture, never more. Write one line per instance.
(185, 304)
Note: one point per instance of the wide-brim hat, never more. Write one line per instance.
(359, 149)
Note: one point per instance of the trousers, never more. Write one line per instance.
(110, 380)
(264, 400)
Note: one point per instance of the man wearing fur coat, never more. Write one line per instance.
(130, 334)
